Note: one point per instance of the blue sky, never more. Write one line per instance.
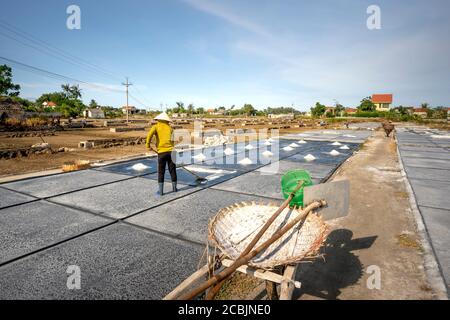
(214, 53)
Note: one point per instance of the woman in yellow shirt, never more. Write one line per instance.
(164, 147)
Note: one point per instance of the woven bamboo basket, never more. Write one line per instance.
(234, 227)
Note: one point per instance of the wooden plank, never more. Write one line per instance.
(197, 275)
(257, 273)
(287, 287)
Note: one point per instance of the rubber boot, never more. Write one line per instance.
(174, 187)
(160, 192)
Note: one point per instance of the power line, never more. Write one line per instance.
(55, 75)
(54, 51)
(46, 48)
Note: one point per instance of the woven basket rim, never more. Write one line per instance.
(271, 263)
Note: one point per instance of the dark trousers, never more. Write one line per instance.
(163, 158)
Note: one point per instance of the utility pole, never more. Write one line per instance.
(127, 84)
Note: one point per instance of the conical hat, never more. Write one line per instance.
(163, 116)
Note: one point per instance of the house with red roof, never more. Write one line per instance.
(382, 102)
(49, 104)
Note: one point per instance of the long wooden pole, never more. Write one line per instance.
(245, 259)
(214, 290)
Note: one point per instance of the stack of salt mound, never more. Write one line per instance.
(139, 167)
(228, 151)
(334, 153)
(245, 161)
(267, 154)
(199, 157)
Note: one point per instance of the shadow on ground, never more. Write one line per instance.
(340, 268)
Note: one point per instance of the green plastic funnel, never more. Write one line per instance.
(289, 182)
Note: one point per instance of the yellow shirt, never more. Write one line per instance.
(163, 132)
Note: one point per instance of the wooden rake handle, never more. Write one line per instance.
(245, 259)
(214, 290)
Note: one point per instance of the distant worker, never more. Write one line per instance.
(164, 147)
(388, 128)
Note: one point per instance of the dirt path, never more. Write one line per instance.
(379, 232)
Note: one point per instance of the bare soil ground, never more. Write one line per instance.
(70, 139)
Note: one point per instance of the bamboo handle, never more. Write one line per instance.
(243, 260)
(214, 290)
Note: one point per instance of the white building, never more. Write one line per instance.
(94, 113)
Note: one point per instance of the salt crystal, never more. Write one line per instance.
(344, 147)
(245, 161)
(335, 153)
(267, 143)
(267, 154)
(199, 157)
(249, 147)
(288, 148)
(139, 167)
(309, 157)
(302, 141)
(336, 143)
(228, 151)
(294, 145)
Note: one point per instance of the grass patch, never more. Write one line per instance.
(239, 286)
(406, 241)
(401, 194)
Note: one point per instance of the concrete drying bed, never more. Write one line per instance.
(127, 241)
(427, 165)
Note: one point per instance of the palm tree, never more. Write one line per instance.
(190, 109)
(424, 105)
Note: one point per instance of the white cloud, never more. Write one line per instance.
(217, 9)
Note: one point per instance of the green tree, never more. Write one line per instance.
(93, 104)
(318, 110)
(71, 92)
(201, 110)
(339, 109)
(248, 109)
(179, 108)
(440, 113)
(7, 87)
(190, 109)
(366, 105)
(425, 105)
(402, 110)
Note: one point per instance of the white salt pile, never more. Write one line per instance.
(199, 157)
(335, 153)
(344, 147)
(336, 143)
(267, 143)
(267, 154)
(139, 167)
(228, 151)
(288, 148)
(245, 161)
(249, 147)
(302, 141)
(270, 140)
(309, 157)
(294, 145)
